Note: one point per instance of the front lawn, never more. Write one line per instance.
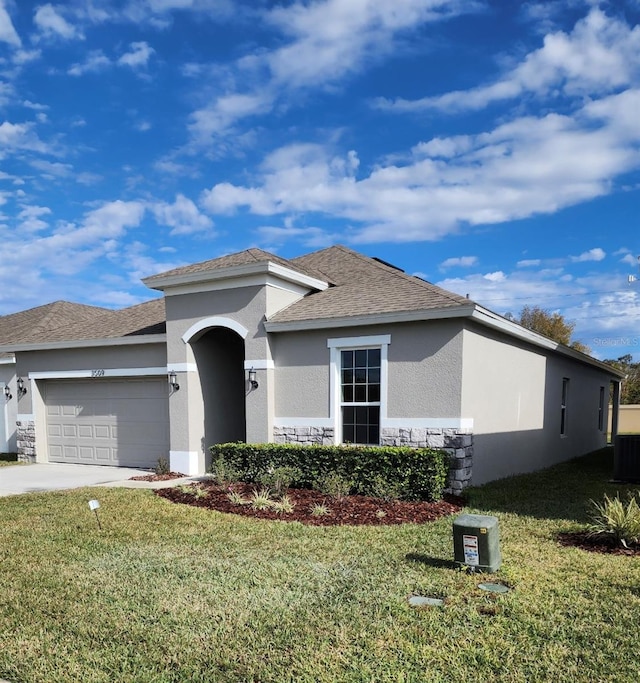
(169, 593)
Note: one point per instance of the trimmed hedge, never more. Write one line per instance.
(415, 473)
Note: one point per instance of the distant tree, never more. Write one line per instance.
(552, 325)
(630, 394)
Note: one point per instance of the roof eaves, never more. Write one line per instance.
(86, 343)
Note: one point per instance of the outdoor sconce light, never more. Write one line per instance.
(172, 381)
(7, 392)
(22, 390)
(252, 379)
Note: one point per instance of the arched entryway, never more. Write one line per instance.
(219, 354)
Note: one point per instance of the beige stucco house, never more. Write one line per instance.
(329, 347)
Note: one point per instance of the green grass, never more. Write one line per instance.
(169, 593)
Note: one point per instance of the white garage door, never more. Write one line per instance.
(108, 422)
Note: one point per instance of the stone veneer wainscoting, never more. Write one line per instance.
(457, 442)
(26, 440)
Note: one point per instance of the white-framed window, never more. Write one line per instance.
(601, 412)
(358, 387)
(563, 406)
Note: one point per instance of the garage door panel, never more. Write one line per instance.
(121, 422)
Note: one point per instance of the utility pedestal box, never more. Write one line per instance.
(476, 542)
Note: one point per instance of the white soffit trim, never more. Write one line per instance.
(182, 367)
(427, 423)
(215, 321)
(372, 319)
(103, 373)
(240, 275)
(238, 283)
(282, 422)
(259, 365)
(133, 340)
(491, 319)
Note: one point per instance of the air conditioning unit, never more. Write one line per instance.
(626, 458)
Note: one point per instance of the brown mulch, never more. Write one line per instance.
(596, 544)
(158, 477)
(350, 510)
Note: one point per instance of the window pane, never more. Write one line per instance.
(347, 393)
(362, 414)
(374, 434)
(347, 376)
(374, 415)
(361, 359)
(374, 375)
(374, 392)
(348, 434)
(374, 357)
(347, 359)
(362, 434)
(361, 393)
(360, 375)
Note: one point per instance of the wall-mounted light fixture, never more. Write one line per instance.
(7, 392)
(173, 381)
(22, 390)
(252, 379)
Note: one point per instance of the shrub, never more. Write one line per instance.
(334, 484)
(613, 518)
(223, 472)
(280, 479)
(162, 466)
(412, 474)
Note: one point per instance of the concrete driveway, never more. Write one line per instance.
(56, 476)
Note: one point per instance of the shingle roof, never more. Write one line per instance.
(37, 323)
(363, 286)
(63, 321)
(240, 258)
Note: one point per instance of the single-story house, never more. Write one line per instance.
(329, 347)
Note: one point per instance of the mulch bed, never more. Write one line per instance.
(596, 544)
(350, 510)
(158, 477)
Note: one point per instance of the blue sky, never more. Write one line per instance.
(490, 147)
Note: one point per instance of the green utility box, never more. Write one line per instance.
(476, 542)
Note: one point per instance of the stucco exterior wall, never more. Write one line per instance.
(513, 391)
(8, 408)
(424, 370)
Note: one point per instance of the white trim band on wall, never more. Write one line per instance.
(25, 417)
(182, 367)
(259, 364)
(185, 462)
(360, 342)
(103, 373)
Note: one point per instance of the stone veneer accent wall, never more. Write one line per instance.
(457, 442)
(323, 436)
(26, 440)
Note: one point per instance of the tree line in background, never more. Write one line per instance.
(554, 326)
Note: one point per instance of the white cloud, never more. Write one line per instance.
(8, 32)
(497, 276)
(20, 136)
(459, 262)
(183, 216)
(324, 42)
(596, 254)
(600, 55)
(521, 168)
(138, 56)
(95, 62)
(527, 263)
(30, 218)
(52, 24)
(309, 236)
(630, 259)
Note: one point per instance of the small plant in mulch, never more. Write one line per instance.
(309, 506)
(614, 527)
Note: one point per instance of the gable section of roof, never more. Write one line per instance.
(241, 258)
(363, 286)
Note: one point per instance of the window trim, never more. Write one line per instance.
(336, 346)
(601, 413)
(564, 401)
